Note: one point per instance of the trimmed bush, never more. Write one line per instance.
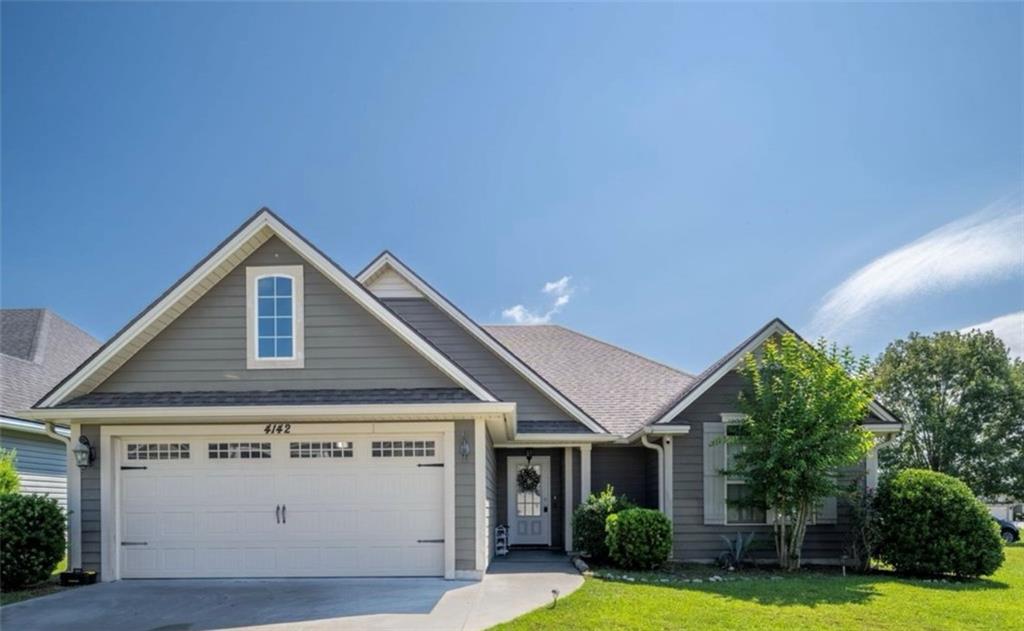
(588, 523)
(10, 482)
(33, 539)
(639, 538)
(930, 523)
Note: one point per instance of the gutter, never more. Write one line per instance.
(50, 430)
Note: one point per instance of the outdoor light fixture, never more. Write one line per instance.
(84, 452)
(529, 455)
(464, 447)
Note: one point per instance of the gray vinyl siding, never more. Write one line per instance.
(491, 493)
(465, 499)
(625, 469)
(557, 507)
(90, 500)
(205, 347)
(477, 360)
(695, 541)
(41, 463)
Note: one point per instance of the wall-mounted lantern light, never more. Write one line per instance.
(529, 456)
(464, 447)
(84, 452)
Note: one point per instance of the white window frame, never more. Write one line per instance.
(252, 359)
(733, 419)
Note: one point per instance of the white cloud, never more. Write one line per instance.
(982, 247)
(1009, 328)
(561, 289)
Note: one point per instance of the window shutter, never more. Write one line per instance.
(714, 482)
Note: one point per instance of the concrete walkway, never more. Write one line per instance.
(515, 585)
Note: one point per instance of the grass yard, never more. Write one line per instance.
(48, 586)
(809, 601)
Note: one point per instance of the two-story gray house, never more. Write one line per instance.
(272, 415)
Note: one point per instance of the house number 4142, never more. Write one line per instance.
(278, 428)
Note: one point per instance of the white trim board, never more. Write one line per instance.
(775, 327)
(190, 288)
(387, 260)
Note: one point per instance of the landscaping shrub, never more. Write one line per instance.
(588, 523)
(9, 480)
(930, 523)
(32, 541)
(639, 538)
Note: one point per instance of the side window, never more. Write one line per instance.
(274, 317)
(736, 490)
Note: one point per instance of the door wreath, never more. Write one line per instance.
(528, 479)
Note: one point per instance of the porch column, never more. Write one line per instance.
(584, 472)
(567, 457)
(871, 480)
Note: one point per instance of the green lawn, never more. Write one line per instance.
(48, 586)
(813, 601)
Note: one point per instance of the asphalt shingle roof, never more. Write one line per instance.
(271, 397)
(618, 388)
(37, 349)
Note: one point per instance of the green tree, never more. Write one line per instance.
(804, 406)
(10, 482)
(961, 399)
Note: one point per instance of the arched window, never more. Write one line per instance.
(275, 317)
(274, 321)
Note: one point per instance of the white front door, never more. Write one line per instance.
(299, 505)
(529, 510)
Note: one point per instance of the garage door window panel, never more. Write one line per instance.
(158, 451)
(403, 449)
(238, 451)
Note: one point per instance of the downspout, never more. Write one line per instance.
(52, 433)
(661, 469)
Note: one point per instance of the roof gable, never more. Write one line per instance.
(387, 263)
(211, 270)
(725, 365)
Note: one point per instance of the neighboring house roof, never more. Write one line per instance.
(403, 281)
(713, 373)
(207, 273)
(271, 397)
(620, 389)
(38, 348)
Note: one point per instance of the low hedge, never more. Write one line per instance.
(930, 523)
(33, 539)
(639, 538)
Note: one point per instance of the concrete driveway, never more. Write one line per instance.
(514, 585)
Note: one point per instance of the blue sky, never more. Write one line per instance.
(694, 170)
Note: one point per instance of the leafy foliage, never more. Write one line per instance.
(10, 482)
(804, 405)
(737, 550)
(588, 522)
(931, 523)
(33, 539)
(639, 538)
(864, 530)
(961, 399)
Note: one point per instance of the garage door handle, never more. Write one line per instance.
(277, 513)
(284, 513)
(430, 541)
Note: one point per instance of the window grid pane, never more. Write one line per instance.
(235, 451)
(402, 449)
(742, 514)
(275, 337)
(158, 451)
(320, 449)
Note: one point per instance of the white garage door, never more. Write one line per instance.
(298, 505)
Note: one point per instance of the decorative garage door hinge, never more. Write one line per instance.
(430, 541)
(431, 464)
(135, 543)
(127, 468)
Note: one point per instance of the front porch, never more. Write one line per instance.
(542, 519)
